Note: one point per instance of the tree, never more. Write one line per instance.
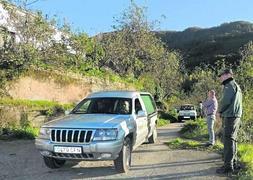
(244, 72)
(42, 45)
(133, 49)
(205, 79)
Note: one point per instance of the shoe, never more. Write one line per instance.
(223, 170)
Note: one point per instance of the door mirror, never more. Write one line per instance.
(141, 113)
(67, 112)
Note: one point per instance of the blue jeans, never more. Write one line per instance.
(210, 125)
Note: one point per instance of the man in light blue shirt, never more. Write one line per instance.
(211, 106)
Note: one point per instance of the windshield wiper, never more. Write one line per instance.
(79, 112)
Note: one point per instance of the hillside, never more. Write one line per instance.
(207, 46)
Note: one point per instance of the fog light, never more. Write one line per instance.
(45, 153)
(106, 155)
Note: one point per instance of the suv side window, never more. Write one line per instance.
(137, 106)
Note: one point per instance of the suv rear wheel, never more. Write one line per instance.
(53, 163)
(123, 162)
(152, 139)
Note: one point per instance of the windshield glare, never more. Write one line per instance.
(104, 106)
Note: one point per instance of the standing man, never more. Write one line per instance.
(201, 109)
(211, 106)
(230, 110)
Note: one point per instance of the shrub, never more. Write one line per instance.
(28, 132)
(246, 157)
(245, 134)
(162, 122)
(171, 115)
(195, 130)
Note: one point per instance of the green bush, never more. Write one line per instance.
(245, 134)
(171, 116)
(19, 133)
(245, 152)
(195, 130)
(162, 122)
(33, 104)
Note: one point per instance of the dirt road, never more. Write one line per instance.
(20, 160)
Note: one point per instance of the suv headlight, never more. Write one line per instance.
(44, 133)
(105, 134)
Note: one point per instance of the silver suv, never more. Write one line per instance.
(103, 126)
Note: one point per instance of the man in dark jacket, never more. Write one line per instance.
(230, 110)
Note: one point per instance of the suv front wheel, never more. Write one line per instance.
(123, 162)
(53, 163)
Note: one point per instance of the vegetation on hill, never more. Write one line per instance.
(209, 46)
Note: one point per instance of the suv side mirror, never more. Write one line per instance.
(67, 112)
(141, 113)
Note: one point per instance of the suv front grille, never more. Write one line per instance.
(71, 135)
(73, 156)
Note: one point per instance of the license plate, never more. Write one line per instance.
(68, 150)
(188, 117)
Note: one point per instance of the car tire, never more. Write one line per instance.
(123, 162)
(152, 139)
(193, 118)
(53, 163)
(179, 119)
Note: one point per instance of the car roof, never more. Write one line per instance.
(120, 94)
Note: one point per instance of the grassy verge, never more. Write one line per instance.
(245, 153)
(162, 122)
(18, 126)
(19, 133)
(180, 143)
(196, 130)
(194, 135)
(33, 105)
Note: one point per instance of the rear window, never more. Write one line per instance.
(149, 103)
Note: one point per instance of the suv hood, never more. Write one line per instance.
(94, 121)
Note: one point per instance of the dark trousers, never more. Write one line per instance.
(231, 127)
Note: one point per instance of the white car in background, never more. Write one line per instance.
(187, 112)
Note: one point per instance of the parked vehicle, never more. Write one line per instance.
(103, 126)
(187, 112)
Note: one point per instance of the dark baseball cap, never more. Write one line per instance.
(225, 71)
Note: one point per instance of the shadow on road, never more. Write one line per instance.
(179, 175)
(173, 164)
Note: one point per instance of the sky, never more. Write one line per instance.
(96, 16)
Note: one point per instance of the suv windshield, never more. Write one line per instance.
(187, 107)
(104, 106)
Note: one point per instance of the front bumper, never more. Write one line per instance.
(186, 117)
(102, 150)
